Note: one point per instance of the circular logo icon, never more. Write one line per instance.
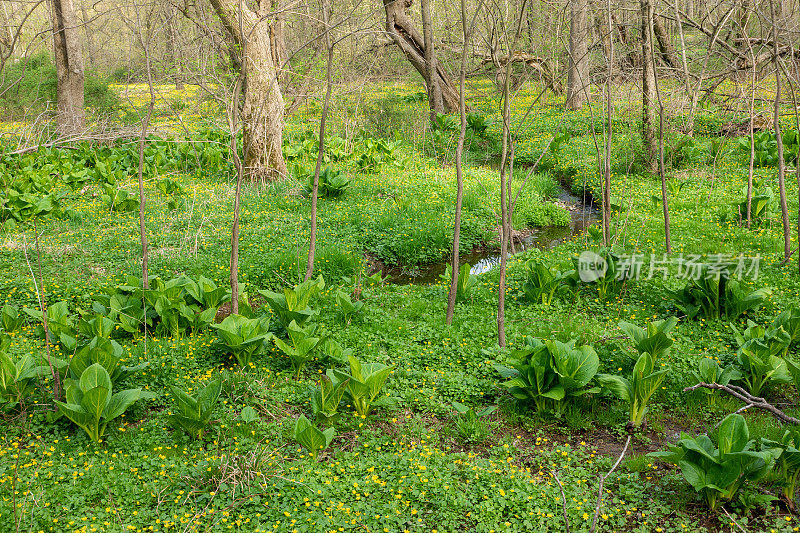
(591, 266)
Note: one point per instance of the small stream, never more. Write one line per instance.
(583, 214)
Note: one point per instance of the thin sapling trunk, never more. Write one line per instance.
(451, 296)
(140, 171)
(234, 117)
(312, 245)
(664, 197)
(787, 237)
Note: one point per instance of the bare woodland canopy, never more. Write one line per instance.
(571, 49)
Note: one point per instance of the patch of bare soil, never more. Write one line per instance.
(257, 302)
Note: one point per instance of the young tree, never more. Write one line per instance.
(649, 109)
(412, 44)
(263, 108)
(578, 74)
(329, 44)
(142, 140)
(71, 117)
(606, 200)
(233, 126)
(661, 170)
(462, 108)
(506, 177)
(787, 237)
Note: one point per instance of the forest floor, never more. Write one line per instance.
(406, 466)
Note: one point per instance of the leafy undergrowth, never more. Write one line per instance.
(406, 466)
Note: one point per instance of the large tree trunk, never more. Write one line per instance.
(578, 75)
(70, 115)
(649, 103)
(262, 111)
(412, 44)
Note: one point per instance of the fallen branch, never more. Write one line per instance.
(64, 142)
(750, 400)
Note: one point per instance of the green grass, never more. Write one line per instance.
(397, 469)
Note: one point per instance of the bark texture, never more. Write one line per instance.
(71, 117)
(412, 44)
(263, 107)
(578, 74)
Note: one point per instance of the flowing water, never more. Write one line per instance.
(583, 214)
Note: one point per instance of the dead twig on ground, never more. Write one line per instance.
(751, 401)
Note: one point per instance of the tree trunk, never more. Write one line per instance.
(606, 202)
(787, 237)
(505, 229)
(142, 141)
(506, 178)
(603, 35)
(70, 115)
(312, 241)
(7, 40)
(668, 53)
(649, 109)
(237, 162)
(462, 110)
(749, 197)
(431, 79)
(661, 170)
(622, 30)
(412, 44)
(578, 75)
(262, 111)
(172, 47)
(90, 48)
(280, 57)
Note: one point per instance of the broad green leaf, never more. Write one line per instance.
(732, 435)
(95, 376)
(94, 402)
(694, 475)
(617, 385)
(120, 402)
